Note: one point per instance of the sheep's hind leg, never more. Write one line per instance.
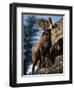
(40, 64)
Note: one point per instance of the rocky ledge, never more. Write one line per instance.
(56, 68)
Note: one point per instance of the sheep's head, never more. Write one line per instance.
(44, 24)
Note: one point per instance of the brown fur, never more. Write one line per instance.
(37, 54)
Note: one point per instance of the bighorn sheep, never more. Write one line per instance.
(42, 47)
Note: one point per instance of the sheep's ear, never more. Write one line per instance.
(50, 20)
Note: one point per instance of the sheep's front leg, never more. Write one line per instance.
(33, 68)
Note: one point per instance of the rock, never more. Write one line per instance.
(56, 68)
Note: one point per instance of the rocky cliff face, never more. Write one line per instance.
(57, 31)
